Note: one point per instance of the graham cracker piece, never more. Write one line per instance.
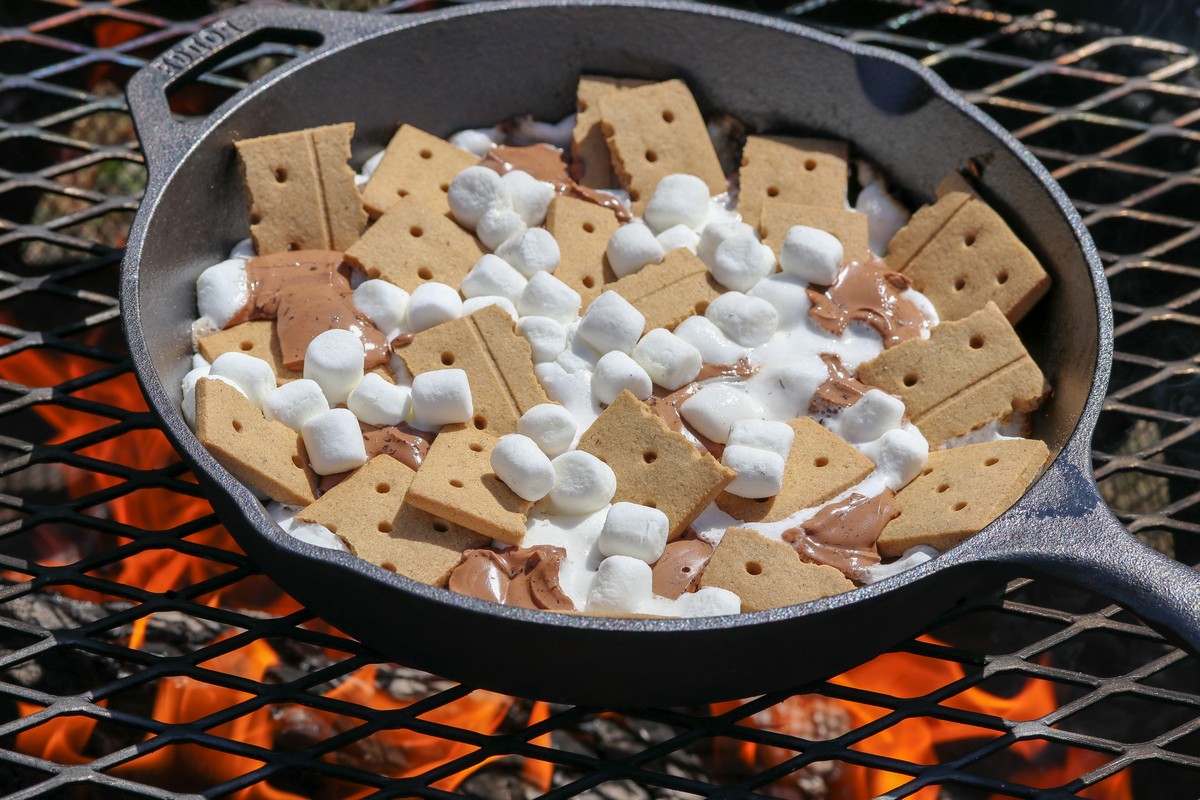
(588, 147)
(266, 456)
(670, 291)
(810, 172)
(960, 492)
(654, 131)
(966, 374)
(300, 190)
(369, 512)
(254, 338)
(456, 483)
(414, 243)
(849, 227)
(655, 466)
(961, 254)
(819, 467)
(582, 230)
(766, 573)
(497, 360)
(415, 164)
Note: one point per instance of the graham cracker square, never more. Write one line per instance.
(255, 338)
(812, 172)
(766, 573)
(848, 227)
(582, 230)
(670, 291)
(588, 146)
(415, 164)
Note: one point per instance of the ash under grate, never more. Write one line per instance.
(141, 654)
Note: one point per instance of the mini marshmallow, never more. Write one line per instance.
(669, 360)
(611, 323)
(708, 601)
(475, 141)
(678, 236)
(534, 250)
(714, 409)
(530, 197)
(899, 455)
(492, 275)
(770, 435)
(788, 294)
(582, 483)
(550, 426)
(473, 191)
(631, 247)
(519, 462)
(546, 337)
(335, 360)
(749, 321)
(547, 296)
(621, 586)
(677, 200)
(221, 291)
(615, 372)
(316, 534)
(483, 301)
(377, 401)
(295, 402)
(759, 472)
(873, 415)
(716, 232)
(252, 375)
(786, 390)
(885, 215)
(334, 441)
(811, 254)
(384, 303)
(742, 261)
(712, 343)
(634, 530)
(498, 225)
(432, 304)
(244, 250)
(441, 397)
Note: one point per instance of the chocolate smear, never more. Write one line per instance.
(868, 292)
(525, 576)
(678, 568)
(843, 535)
(545, 162)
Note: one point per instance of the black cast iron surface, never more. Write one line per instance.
(1109, 115)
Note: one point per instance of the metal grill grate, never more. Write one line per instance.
(141, 654)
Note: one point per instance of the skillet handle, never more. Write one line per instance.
(164, 138)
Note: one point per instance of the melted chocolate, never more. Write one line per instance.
(843, 535)
(841, 388)
(402, 442)
(870, 293)
(545, 162)
(526, 576)
(678, 568)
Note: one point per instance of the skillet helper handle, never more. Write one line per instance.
(165, 139)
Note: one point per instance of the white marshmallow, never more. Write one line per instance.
(546, 337)
(384, 303)
(534, 250)
(899, 455)
(252, 375)
(498, 225)
(742, 261)
(678, 236)
(716, 232)
(634, 530)
(708, 601)
(473, 191)
(811, 254)
(759, 472)
(621, 586)
(572, 389)
(317, 534)
(244, 249)
(519, 462)
(788, 294)
(547, 296)
(335, 360)
(611, 323)
(432, 304)
(334, 441)
(221, 291)
(714, 346)
(530, 197)
(885, 215)
(550, 426)
(492, 275)
(582, 483)
(714, 409)
(873, 415)
(371, 164)
(770, 435)
(749, 321)
(670, 361)
(483, 301)
(614, 373)
(475, 141)
(578, 354)
(677, 200)
(441, 397)
(377, 401)
(631, 247)
(295, 402)
(786, 390)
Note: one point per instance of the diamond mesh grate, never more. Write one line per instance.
(142, 655)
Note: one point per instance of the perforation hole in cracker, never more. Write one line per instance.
(668, 116)
(416, 231)
(976, 342)
(821, 461)
(588, 281)
(480, 422)
(440, 526)
(384, 527)
(383, 488)
(447, 358)
(425, 273)
(910, 380)
(651, 156)
(476, 447)
(456, 483)
(753, 568)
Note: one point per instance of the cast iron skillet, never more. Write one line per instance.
(473, 66)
